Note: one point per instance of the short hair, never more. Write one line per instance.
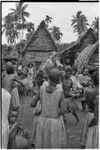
(95, 77)
(54, 75)
(10, 70)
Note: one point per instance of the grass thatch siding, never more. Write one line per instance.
(85, 56)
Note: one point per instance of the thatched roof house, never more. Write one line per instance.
(84, 57)
(73, 51)
(10, 55)
(40, 45)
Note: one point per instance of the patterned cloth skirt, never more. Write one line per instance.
(73, 104)
(84, 130)
(5, 134)
(93, 137)
(49, 133)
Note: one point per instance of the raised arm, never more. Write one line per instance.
(35, 99)
(19, 81)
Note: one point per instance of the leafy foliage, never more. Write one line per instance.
(55, 32)
(9, 30)
(79, 23)
(15, 22)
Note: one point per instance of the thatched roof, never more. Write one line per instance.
(80, 39)
(41, 40)
(11, 54)
(85, 56)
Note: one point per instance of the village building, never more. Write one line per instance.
(88, 58)
(39, 46)
(10, 55)
(70, 54)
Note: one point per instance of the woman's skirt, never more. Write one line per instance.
(5, 134)
(85, 129)
(93, 137)
(49, 133)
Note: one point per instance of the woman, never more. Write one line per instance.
(89, 135)
(70, 103)
(50, 129)
(93, 131)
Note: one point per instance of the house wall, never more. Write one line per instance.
(38, 57)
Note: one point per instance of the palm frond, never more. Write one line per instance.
(25, 14)
(24, 7)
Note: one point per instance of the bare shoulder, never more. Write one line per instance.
(96, 100)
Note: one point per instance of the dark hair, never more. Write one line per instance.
(95, 77)
(74, 68)
(40, 78)
(10, 70)
(54, 75)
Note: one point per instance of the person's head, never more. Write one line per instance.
(95, 78)
(85, 72)
(67, 60)
(9, 64)
(30, 65)
(54, 76)
(74, 70)
(10, 70)
(68, 73)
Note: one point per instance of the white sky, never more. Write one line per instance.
(60, 12)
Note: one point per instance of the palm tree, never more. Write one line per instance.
(9, 30)
(79, 23)
(55, 32)
(20, 14)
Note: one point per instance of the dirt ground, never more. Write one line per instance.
(73, 130)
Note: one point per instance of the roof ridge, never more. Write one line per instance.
(33, 37)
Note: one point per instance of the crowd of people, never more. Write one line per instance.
(58, 90)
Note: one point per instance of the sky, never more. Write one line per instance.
(60, 12)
